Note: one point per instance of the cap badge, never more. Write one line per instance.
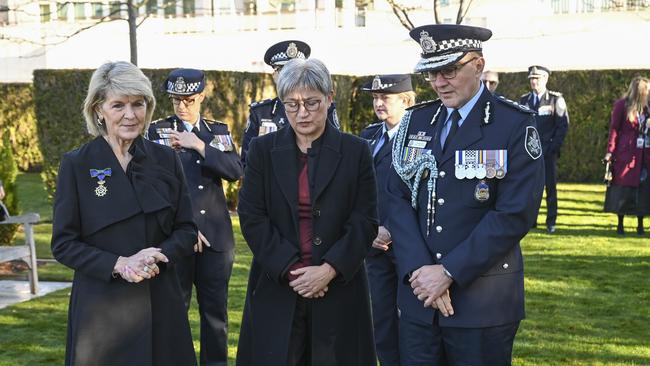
(376, 83)
(292, 50)
(427, 43)
(179, 85)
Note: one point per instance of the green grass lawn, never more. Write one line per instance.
(587, 292)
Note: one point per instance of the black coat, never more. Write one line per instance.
(204, 179)
(113, 322)
(344, 224)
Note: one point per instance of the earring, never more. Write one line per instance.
(100, 121)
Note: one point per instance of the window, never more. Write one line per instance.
(45, 12)
(115, 8)
(62, 11)
(188, 7)
(444, 2)
(170, 7)
(152, 6)
(97, 11)
(80, 11)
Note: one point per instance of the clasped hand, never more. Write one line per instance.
(187, 140)
(140, 266)
(431, 285)
(312, 281)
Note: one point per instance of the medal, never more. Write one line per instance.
(482, 191)
(470, 163)
(481, 170)
(459, 171)
(100, 174)
(502, 163)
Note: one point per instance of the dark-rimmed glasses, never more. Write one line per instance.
(187, 101)
(447, 73)
(311, 105)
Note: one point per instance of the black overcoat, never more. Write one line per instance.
(110, 321)
(345, 222)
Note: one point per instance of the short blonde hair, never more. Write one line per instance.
(408, 97)
(119, 78)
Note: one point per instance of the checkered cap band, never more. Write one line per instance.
(456, 44)
(281, 58)
(435, 62)
(190, 88)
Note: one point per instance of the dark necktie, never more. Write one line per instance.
(380, 144)
(455, 117)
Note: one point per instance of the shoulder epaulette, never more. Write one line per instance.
(212, 121)
(554, 93)
(513, 104)
(260, 103)
(524, 95)
(168, 118)
(376, 124)
(422, 104)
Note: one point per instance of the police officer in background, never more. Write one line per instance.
(208, 155)
(465, 189)
(269, 115)
(553, 124)
(491, 81)
(391, 95)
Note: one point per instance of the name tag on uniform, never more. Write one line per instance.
(222, 143)
(267, 127)
(545, 110)
(417, 143)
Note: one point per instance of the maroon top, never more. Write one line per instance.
(304, 217)
(628, 159)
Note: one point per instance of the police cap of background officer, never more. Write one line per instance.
(281, 52)
(389, 84)
(537, 71)
(185, 82)
(445, 44)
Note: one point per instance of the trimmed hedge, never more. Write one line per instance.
(59, 95)
(8, 172)
(18, 121)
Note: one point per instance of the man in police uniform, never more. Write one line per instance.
(464, 191)
(269, 115)
(208, 155)
(491, 81)
(392, 94)
(553, 124)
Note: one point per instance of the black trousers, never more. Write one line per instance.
(550, 183)
(210, 272)
(432, 345)
(382, 278)
(299, 353)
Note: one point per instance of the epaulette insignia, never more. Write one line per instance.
(554, 93)
(422, 104)
(524, 95)
(261, 102)
(514, 105)
(212, 121)
(376, 124)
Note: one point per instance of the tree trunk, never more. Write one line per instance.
(133, 36)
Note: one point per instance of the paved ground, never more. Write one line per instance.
(12, 292)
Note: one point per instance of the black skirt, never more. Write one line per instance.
(623, 200)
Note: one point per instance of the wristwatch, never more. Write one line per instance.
(444, 270)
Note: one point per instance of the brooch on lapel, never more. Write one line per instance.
(100, 174)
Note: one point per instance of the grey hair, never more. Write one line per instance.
(118, 78)
(310, 74)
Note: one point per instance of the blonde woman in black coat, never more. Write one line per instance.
(122, 219)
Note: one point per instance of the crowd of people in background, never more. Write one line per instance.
(401, 245)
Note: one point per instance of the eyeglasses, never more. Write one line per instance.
(448, 72)
(187, 101)
(277, 68)
(311, 105)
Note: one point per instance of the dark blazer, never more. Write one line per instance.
(204, 179)
(111, 321)
(476, 241)
(628, 160)
(344, 224)
(552, 119)
(382, 162)
(272, 110)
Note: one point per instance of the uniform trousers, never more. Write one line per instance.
(550, 182)
(210, 272)
(432, 345)
(382, 278)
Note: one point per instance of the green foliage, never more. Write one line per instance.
(8, 173)
(18, 121)
(589, 96)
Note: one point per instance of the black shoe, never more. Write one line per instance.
(620, 230)
(639, 230)
(550, 229)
